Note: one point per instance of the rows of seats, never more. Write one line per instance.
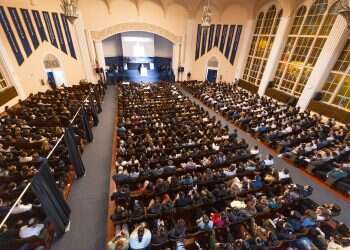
(184, 181)
(318, 144)
(28, 132)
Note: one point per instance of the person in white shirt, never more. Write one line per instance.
(283, 174)
(20, 208)
(254, 150)
(287, 130)
(204, 223)
(32, 229)
(268, 162)
(140, 238)
(231, 171)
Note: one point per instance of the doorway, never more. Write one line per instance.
(54, 72)
(212, 70)
(212, 75)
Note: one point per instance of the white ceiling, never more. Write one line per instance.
(193, 6)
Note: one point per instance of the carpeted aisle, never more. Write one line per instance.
(320, 194)
(89, 195)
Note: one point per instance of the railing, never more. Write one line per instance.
(47, 157)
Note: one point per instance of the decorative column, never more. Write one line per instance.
(91, 48)
(189, 47)
(275, 53)
(243, 49)
(100, 56)
(329, 55)
(84, 51)
(176, 59)
(10, 73)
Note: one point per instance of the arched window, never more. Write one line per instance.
(298, 20)
(264, 35)
(336, 89)
(305, 42)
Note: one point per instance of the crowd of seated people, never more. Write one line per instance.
(319, 144)
(183, 181)
(28, 132)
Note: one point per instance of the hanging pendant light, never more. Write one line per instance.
(70, 10)
(206, 18)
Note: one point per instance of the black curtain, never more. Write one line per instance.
(93, 111)
(74, 154)
(98, 94)
(86, 126)
(51, 198)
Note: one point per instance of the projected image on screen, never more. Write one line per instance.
(138, 44)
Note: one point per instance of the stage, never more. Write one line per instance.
(146, 70)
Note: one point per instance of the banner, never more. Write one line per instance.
(20, 31)
(51, 198)
(223, 38)
(30, 28)
(59, 32)
(10, 36)
(68, 36)
(198, 44)
(211, 35)
(204, 41)
(217, 35)
(39, 25)
(229, 41)
(50, 29)
(235, 44)
(73, 152)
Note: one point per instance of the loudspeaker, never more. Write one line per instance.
(270, 84)
(181, 69)
(318, 96)
(99, 70)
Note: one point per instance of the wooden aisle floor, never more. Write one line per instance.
(88, 199)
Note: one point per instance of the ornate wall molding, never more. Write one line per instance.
(99, 35)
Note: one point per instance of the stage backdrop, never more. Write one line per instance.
(138, 44)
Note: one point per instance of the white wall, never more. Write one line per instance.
(173, 18)
(112, 46)
(234, 14)
(163, 47)
(30, 74)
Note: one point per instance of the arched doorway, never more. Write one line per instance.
(212, 69)
(54, 71)
(98, 36)
(138, 56)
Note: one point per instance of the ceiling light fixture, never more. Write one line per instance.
(206, 18)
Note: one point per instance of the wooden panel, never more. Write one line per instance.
(7, 95)
(248, 86)
(280, 96)
(330, 111)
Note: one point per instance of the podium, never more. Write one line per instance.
(143, 71)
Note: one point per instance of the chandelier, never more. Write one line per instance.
(70, 9)
(206, 18)
(343, 9)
